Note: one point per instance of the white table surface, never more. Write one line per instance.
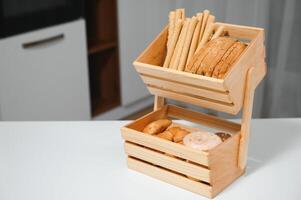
(85, 160)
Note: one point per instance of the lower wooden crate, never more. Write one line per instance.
(205, 173)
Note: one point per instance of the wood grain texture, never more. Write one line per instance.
(223, 163)
(246, 119)
(168, 162)
(158, 102)
(170, 177)
(186, 89)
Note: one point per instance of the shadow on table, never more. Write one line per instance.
(270, 139)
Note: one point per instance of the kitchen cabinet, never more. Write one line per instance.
(102, 37)
(44, 76)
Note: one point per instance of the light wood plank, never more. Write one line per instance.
(204, 119)
(170, 177)
(158, 102)
(183, 77)
(206, 103)
(168, 162)
(246, 119)
(184, 88)
(223, 163)
(155, 52)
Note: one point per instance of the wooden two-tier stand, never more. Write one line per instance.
(205, 173)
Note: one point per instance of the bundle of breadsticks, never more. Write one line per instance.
(197, 45)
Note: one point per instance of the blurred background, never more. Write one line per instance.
(72, 59)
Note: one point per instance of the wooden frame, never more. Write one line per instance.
(205, 173)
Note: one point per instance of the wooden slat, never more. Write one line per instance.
(201, 118)
(259, 71)
(184, 88)
(159, 144)
(158, 102)
(214, 105)
(180, 76)
(168, 162)
(170, 177)
(155, 52)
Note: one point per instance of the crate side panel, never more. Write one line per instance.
(202, 102)
(224, 164)
(179, 76)
(182, 88)
(168, 161)
(155, 53)
(170, 177)
(203, 119)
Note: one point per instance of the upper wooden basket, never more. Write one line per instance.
(224, 95)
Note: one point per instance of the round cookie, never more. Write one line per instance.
(201, 140)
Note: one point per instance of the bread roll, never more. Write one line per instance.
(157, 126)
(166, 135)
(178, 133)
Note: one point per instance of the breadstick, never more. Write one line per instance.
(183, 13)
(206, 36)
(173, 43)
(180, 14)
(210, 20)
(179, 47)
(187, 43)
(218, 32)
(195, 38)
(206, 14)
(171, 26)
